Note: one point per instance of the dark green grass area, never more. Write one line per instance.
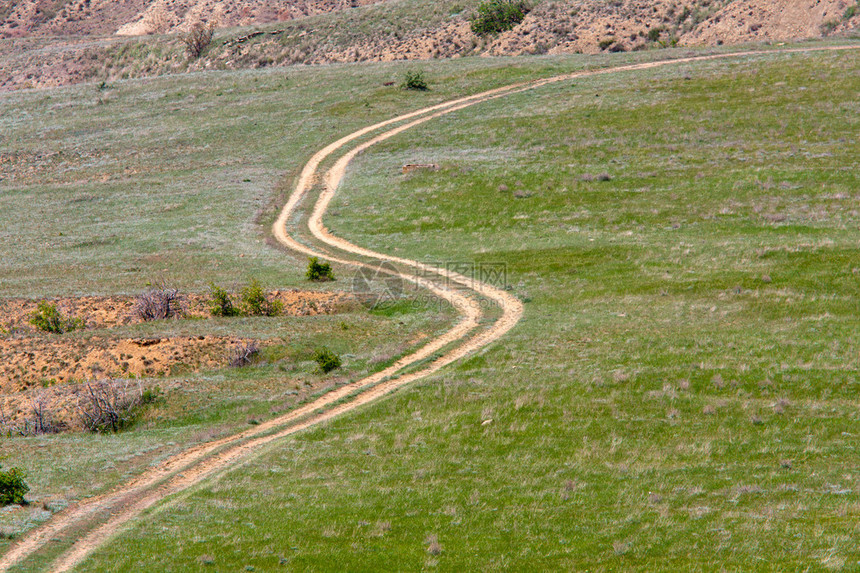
(681, 393)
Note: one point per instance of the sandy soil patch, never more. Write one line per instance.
(29, 357)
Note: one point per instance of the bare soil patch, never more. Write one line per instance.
(138, 17)
(110, 311)
(29, 357)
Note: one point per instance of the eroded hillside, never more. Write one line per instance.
(139, 17)
(61, 42)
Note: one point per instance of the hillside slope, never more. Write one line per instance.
(139, 17)
(38, 52)
(589, 27)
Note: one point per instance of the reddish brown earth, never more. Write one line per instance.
(29, 357)
(135, 17)
(590, 27)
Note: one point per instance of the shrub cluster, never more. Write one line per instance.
(252, 302)
(220, 303)
(108, 407)
(318, 271)
(494, 16)
(103, 406)
(256, 303)
(40, 421)
(244, 354)
(49, 319)
(12, 487)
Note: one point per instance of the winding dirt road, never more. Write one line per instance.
(93, 522)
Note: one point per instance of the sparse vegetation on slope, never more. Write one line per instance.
(165, 150)
(422, 29)
(198, 39)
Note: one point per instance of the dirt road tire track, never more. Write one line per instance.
(194, 465)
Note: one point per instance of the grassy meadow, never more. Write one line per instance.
(105, 189)
(680, 394)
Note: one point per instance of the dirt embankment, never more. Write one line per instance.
(138, 17)
(29, 357)
(625, 25)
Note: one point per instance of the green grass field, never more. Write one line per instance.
(680, 394)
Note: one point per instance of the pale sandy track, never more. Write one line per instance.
(196, 464)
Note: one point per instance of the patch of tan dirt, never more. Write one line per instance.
(625, 25)
(773, 20)
(26, 362)
(138, 17)
(109, 311)
(591, 27)
(29, 357)
(448, 40)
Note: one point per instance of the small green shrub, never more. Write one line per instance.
(220, 303)
(12, 487)
(603, 44)
(256, 303)
(318, 271)
(327, 360)
(654, 33)
(49, 319)
(849, 12)
(494, 16)
(414, 80)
